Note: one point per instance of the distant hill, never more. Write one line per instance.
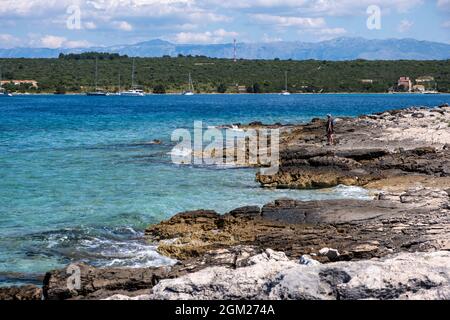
(339, 49)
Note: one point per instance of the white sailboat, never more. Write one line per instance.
(97, 92)
(133, 92)
(190, 91)
(285, 92)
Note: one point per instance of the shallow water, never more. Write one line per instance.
(79, 181)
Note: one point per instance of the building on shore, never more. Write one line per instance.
(419, 88)
(367, 81)
(428, 82)
(405, 83)
(424, 80)
(241, 89)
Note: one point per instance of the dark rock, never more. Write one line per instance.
(102, 283)
(256, 124)
(418, 115)
(248, 211)
(362, 154)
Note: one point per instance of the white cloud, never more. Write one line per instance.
(405, 25)
(446, 24)
(76, 44)
(123, 25)
(216, 36)
(333, 32)
(443, 3)
(207, 16)
(8, 41)
(223, 33)
(313, 26)
(33, 7)
(322, 34)
(281, 21)
(55, 42)
(268, 39)
(163, 18)
(323, 7)
(90, 25)
(52, 42)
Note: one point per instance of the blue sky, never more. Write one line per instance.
(81, 23)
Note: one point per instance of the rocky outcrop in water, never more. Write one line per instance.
(99, 283)
(393, 144)
(220, 247)
(96, 283)
(418, 219)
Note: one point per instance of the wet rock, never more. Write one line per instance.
(123, 283)
(415, 220)
(314, 178)
(98, 283)
(358, 229)
(249, 211)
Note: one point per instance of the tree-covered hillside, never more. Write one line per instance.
(75, 73)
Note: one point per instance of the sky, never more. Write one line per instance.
(84, 23)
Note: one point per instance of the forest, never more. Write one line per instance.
(75, 73)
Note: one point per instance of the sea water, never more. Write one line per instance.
(80, 179)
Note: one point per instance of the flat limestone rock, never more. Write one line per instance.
(273, 276)
(328, 211)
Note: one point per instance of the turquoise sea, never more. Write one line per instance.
(80, 182)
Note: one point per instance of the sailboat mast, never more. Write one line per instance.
(191, 86)
(286, 81)
(119, 81)
(96, 73)
(132, 75)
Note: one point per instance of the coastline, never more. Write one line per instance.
(402, 222)
(241, 94)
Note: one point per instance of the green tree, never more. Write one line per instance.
(60, 90)
(159, 89)
(222, 88)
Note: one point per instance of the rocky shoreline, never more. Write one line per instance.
(395, 246)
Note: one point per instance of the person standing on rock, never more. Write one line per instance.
(330, 130)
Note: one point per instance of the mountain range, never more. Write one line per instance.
(335, 50)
